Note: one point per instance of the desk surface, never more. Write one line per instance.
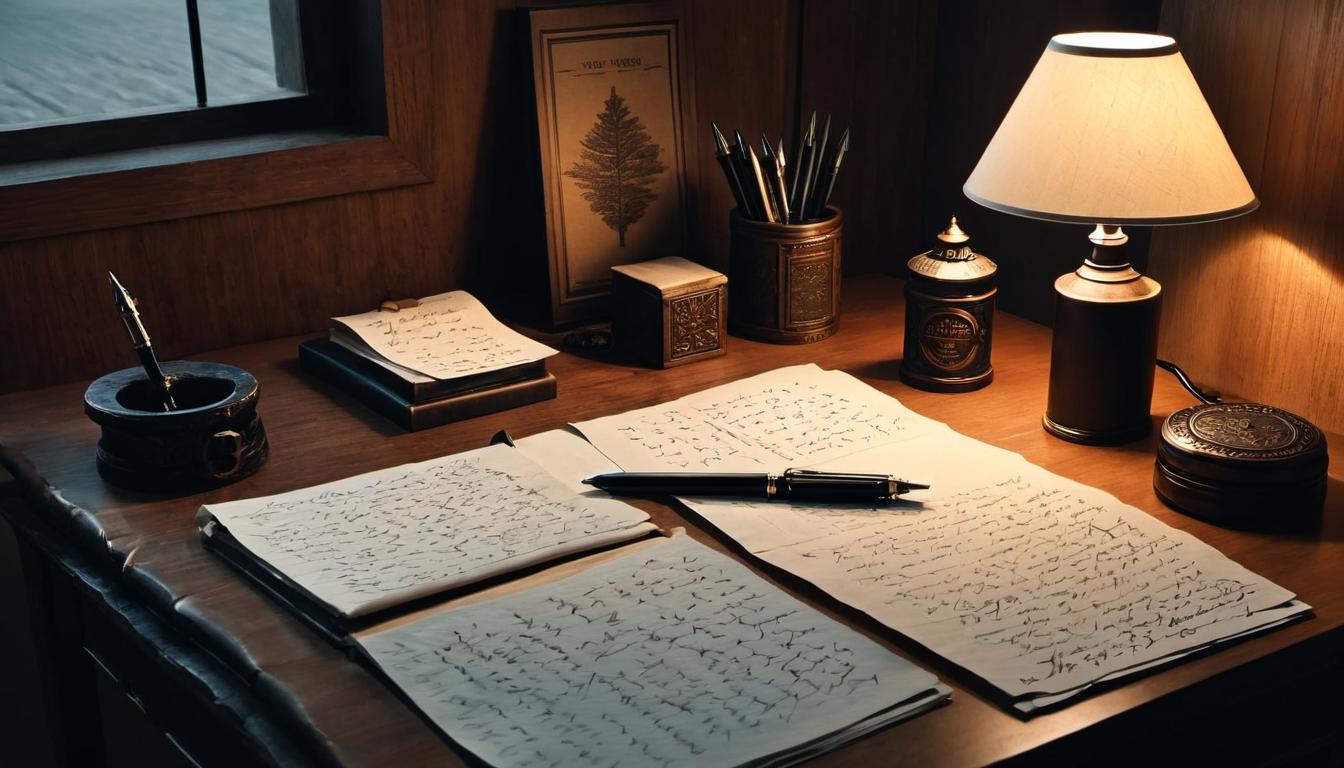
(318, 434)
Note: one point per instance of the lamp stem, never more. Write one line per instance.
(1109, 262)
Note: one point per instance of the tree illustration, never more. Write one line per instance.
(617, 166)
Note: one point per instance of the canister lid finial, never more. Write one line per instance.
(953, 234)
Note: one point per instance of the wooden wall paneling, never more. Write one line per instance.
(984, 52)
(1255, 306)
(229, 278)
(870, 66)
(500, 145)
(922, 85)
(33, 290)
(408, 61)
(477, 137)
(1234, 55)
(745, 78)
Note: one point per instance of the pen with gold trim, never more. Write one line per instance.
(791, 485)
(131, 317)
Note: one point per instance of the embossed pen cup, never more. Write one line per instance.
(784, 279)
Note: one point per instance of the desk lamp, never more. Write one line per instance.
(1110, 129)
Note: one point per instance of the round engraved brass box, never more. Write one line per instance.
(784, 279)
(214, 437)
(1241, 464)
(949, 316)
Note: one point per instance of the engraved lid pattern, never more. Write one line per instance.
(1241, 431)
(953, 260)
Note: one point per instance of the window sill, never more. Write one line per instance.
(176, 181)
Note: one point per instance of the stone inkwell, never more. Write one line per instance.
(180, 427)
(1244, 465)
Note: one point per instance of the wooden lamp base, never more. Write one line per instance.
(1104, 348)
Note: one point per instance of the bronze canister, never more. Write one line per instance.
(1244, 465)
(784, 279)
(949, 316)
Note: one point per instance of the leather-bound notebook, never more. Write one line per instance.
(330, 362)
(418, 389)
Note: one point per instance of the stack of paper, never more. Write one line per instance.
(669, 654)
(1036, 583)
(657, 652)
(384, 538)
(448, 336)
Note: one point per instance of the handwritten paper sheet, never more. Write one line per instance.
(786, 418)
(672, 655)
(567, 457)
(380, 539)
(1034, 582)
(449, 335)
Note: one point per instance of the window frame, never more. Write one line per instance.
(360, 127)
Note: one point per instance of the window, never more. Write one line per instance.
(82, 77)
(101, 123)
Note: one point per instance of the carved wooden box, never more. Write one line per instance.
(668, 311)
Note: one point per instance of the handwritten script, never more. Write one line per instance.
(384, 537)
(672, 655)
(1039, 584)
(790, 417)
(447, 336)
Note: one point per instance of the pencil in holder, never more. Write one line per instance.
(784, 279)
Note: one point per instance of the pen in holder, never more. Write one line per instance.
(213, 436)
(784, 279)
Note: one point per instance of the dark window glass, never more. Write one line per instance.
(82, 59)
(93, 77)
(239, 51)
(78, 60)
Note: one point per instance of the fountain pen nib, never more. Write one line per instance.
(119, 294)
(720, 142)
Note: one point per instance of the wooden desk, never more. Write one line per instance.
(228, 673)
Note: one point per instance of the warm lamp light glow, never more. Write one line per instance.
(1115, 41)
(1111, 127)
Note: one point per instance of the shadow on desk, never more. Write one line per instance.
(349, 403)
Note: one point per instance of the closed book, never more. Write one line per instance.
(418, 388)
(329, 361)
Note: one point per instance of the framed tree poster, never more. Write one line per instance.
(614, 113)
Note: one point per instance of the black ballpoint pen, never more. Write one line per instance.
(750, 193)
(725, 158)
(826, 184)
(823, 155)
(131, 316)
(804, 181)
(792, 485)
(796, 169)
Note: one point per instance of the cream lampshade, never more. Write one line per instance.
(1110, 129)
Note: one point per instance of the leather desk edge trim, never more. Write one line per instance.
(70, 518)
(103, 579)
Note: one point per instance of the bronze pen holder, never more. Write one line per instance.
(784, 279)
